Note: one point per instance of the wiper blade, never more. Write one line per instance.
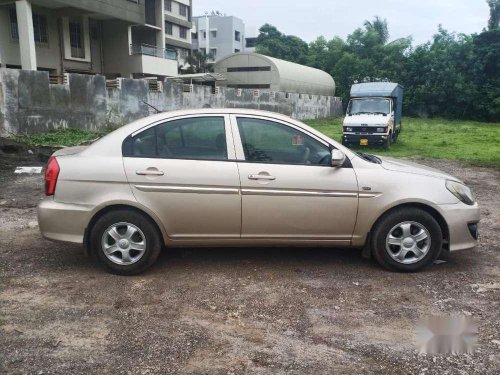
(369, 157)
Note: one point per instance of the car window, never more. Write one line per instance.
(271, 142)
(202, 138)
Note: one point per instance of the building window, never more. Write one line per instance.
(213, 52)
(213, 33)
(14, 33)
(249, 69)
(236, 50)
(194, 35)
(76, 38)
(251, 42)
(40, 28)
(168, 5)
(183, 32)
(183, 10)
(237, 36)
(204, 35)
(168, 28)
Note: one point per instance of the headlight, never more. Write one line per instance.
(348, 129)
(462, 192)
(381, 130)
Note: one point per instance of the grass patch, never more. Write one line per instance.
(60, 137)
(475, 142)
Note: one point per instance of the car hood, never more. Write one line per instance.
(415, 168)
(369, 120)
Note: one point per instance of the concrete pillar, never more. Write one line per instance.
(26, 37)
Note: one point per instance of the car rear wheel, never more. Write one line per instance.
(406, 240)
(125, 242)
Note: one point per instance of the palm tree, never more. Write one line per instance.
(199, 62)
(379, 27)
(494, 14)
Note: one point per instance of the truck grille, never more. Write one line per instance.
(362, 129)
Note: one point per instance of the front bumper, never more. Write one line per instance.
(63, 221)
(462, 225)
(373, 139)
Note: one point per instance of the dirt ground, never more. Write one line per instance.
(235, 311)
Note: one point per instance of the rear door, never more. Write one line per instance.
(184, 170)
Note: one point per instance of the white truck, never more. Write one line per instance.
(373, 114)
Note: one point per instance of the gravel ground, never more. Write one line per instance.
(235, 311)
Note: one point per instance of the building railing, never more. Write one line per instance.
(146, 49)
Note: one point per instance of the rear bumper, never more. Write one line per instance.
(373, 139)
(63, 221)
(462, 225)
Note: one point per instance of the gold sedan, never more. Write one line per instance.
(236, 177)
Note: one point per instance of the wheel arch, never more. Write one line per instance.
(116, 206)
(425, 207)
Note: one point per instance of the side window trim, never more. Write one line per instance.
(238, 143)
(231, 152)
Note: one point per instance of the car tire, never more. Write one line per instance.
(406, 240)
(125, 242)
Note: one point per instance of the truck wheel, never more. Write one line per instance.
(387, 143)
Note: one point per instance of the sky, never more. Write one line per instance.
(309, 19)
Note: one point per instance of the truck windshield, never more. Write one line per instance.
(369, 105)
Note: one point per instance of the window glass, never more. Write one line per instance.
(168, 28)
(183, 32)
(271, 142)
(201, 138)
(40, 28)
(76, 38)
(142, 145)
(183, 10)
(14, 32)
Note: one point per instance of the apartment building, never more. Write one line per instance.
(125, 38)
(218, 35)
(178, 27)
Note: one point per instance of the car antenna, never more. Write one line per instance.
(149, 105)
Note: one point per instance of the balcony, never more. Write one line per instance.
(146, 49)
(152, 60)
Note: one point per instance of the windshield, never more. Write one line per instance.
(371, 105)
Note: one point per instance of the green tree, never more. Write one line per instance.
(272, 42)
(199, 62)
(494, 14)
(453, 75)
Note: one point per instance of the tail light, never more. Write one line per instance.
(51, 174)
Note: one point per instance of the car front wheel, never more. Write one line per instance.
(125, 242)
(406, 239)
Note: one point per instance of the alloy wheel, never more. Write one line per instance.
(123, 243)
(408, 242)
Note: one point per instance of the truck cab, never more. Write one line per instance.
(373, 114)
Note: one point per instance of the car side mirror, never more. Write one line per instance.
(338, 158)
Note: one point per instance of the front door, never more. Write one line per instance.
(180, 169)
(289, 189)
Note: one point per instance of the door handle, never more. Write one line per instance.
(261, 177)
(150, 172)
